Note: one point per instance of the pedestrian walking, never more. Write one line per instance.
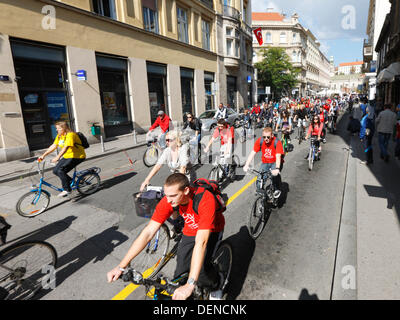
(367, 131)
(384, 124)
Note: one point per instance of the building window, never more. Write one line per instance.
(105, 8)
(229, 31)
(229, 43)
(150, 17)
(231, 91)
(294, 56)
(268, 37)
(205, 29)
(113, 84)
(130, 9)
(237, 47)
(157, 83)
(182, 25)
(208, 80)
(187, 76)
(283, 37)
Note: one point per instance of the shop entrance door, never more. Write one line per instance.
(43, 99)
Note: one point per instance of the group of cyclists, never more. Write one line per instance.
(204, 222)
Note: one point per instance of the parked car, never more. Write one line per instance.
(209, 123)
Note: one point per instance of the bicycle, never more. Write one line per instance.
(164, 287)
(313, 154)
(37, 200)
(24, 269)
(152, 259)
(245, 125)
(222, 171)
(263, 204)
(301, 124)
(152, 152)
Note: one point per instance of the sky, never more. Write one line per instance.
(339, 25)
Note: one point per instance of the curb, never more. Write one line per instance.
(27, 174)
(344, 285)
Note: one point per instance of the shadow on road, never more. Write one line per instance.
(305, 295)
(243, 247)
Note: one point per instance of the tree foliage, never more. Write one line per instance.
(276, 71)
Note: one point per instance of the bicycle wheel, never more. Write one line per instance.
(88, 183)
(27, 267)
(214, 174)
(256, 219)
(33, 203)
(150, 156)
(311, 159)
(223, 260)
(151, 259)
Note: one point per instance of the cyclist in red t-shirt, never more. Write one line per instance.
(271, 157)
(201, 234)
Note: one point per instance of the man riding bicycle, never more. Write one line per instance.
(222, 112)
(271, 155)
(227, 135)
(164, 122)
(201, 233)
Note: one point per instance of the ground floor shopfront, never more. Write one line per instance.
(98, 78)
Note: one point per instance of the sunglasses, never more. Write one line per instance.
(267, 137)
(169, 140)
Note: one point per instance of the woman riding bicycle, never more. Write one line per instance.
(71, 154)
(315, 130)
(176, 156)
(286, 123)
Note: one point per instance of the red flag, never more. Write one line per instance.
(258, 35)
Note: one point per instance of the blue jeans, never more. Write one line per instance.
(276, 181)
(383, 139)
(162, 142)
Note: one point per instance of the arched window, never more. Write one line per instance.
(283, 37)
(268, 37)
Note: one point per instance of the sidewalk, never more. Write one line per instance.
(378, 225)
(21, 168)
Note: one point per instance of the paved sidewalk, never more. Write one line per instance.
(21, 168)
(378, 224)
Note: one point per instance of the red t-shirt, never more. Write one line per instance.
(226, 135)
(316, 130)
(321, 117)
(268, 150)
(206, 219)
(163, 123)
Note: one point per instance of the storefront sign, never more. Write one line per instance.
(81, 74)
(4, 78)
(248, 79)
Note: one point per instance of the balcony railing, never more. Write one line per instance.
(231, 12)
(247, 29)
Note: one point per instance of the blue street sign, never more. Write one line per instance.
(248, 79)
(4, 78)
(81, 74)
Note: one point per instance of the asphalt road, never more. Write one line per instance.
(293, 258)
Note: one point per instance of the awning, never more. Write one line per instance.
(388, 74)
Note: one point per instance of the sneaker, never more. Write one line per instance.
(63, 194)
(277, 194)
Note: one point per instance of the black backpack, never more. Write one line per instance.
(85, 143)
(201, 185)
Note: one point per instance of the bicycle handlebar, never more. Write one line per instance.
(136, 277)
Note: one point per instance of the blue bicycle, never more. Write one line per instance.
(37, 200)
(314, 153)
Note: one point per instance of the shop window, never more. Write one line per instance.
(205, 28)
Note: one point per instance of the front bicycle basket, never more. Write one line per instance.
(146, 202)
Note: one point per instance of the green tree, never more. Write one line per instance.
(276, 71)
